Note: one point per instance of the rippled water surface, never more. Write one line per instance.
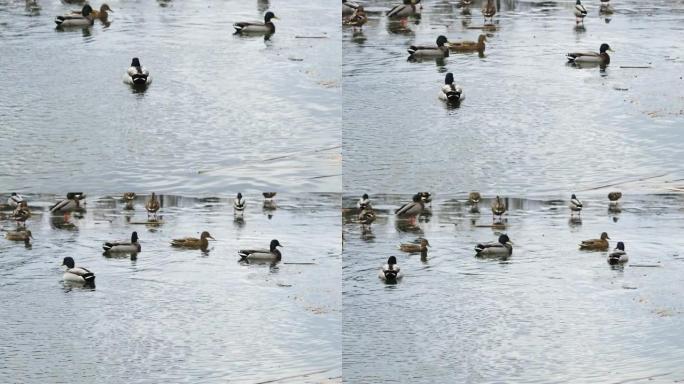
(549, 314)
(529, 123)
(170, 315)
(223, 111)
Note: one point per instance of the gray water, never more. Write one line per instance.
(529, 123)
(223, 112)
(548, 314)
(170, 315)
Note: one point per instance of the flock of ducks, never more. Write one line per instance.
(75, 202)
(354, 15)
(501, 248)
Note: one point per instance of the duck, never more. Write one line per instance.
(618, 256)
(415, 248)
(367, 216)
(426, 197)
(357, 19)
(440, 50)
(451, 92)
(123, 247)
(348, 7)
(152, 206)
(70, 204)
(129, 196)
(239, 204)
(606, 8)
(502, 247)
(21, 213)
(15, 200)
(474, 198)
(498, 207)
(469, 46)
(97, 14)
(272, 254)
(408, 8)
(489, 10)
(85, 19)
(19, 235)
(596, 244)
(269, 195)
(267, 27)
(75, 274)
(591, 57)
(580, 12)
(390, 271)
(364, 202)
(411, 209)
(464, 3)
(193, 242)
(613, 197)
(136, 74)
(575, 205)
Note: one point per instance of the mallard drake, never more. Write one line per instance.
(367, 216)
(591, 57)
(474, 198)
(70, 204)
(415, 248)
(440, 50)
(489, 10)
(364, 202)
(152, 206)
(77, 275)
(575, 205)
(408, 8)
(239, 204)
(193, 242)
(19, 235)
(97, 14)
(123, 247)
(614, 197)
(596, 244)
(85, 19)
(357, 19)
(580, 12)
(618, 256)
(272, 254)
(14, 200)
(498, 207)
(451, 92)
(503, 247)
(390, 271)
(348, 7)
(411, 209)
(136, 74)
(469, 46)
(267, 27)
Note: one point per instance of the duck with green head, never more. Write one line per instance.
(267, 27)
(271, 254)
(441, 49)
(601, 57)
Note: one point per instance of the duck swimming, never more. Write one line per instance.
(469, 46)
(591, 57)
(272, 254)
(451, 92)
(390, 272)
(411, 209)
(367, 216)
(439, 50)
(364, 202)
(501, 248)
(614, 197)
(408, 8)
(75, 274)
(580, 12)
(575, 205)
(85, 19)
(357, 19)
(474, 198)
(19, 235)
(618, 256)
(70, 204)
(136, 74)
(123, 247)
(415, 248)
(596, 244)
(97, 14)
(267, 27)
(489, 10)
(152, 206)
(193, 242)
(498, 207)
(15, 200)
(239, 204)
(21, 214)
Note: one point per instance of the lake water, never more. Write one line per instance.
(173, 315)
(223, 112)
(549, 314)
(529, 123)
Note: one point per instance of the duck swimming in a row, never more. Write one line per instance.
(469, 46)
(591, 57)
(85, 19)
(501, 248)
(271, 254)
(75, 274)
(596, 244)
(618, 256)
(439, 50)
(267, 27)
(390, 272)
(408, 8)
(193, 242)
(152, 206)
(136, 74)
(450, 92)
(123, 247)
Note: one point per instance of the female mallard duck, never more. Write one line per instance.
(22, 213)
(415, 248)
(408, 8)
(85, 19)
(152, 206)
(124, 247)
(101, 14)
(70, 204)
(357, 19)
(489, 10)
(348, 7)
(469, 46)
(503, 247)
(580, 12)
(451, 92)
(15, 200)
(390, 272)
(614, 197)
(411, 209)
(364, 202)
(596, 244)
(75, 274)
(426, 197)
(618, 256)
(367, 216)
(267, 27)
(440, 50)
(575, 205)
(19, 235)
(239, 204)
(136, 74)
(129, 196)
(474, 198)
(591, 57)
(498, 207)
(273, 254)
(193, 242)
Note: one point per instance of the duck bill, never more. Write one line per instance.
(509, 242)
(610, 50)
(211, 237)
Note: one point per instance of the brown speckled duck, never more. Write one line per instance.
(596, 244)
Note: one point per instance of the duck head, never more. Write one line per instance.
(620, 246)
(86, 10)
(206, 235)
(275, 243)
(424, 243)
(481, 39)
(604, 236)
(365, 196)
(442, 41)
(105, 7)
(578, 2)
(573, 197)
(604, 47)
(134, 237)
(68, 262)
(503, 239)
(449, 78)
(392, 261)
(136, 63)
(239, 196)
(269, 16)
